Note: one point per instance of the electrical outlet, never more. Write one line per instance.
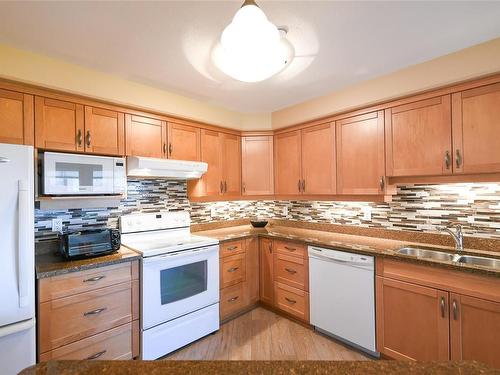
(213, 212)
(285, 211)
(57, 225)
(367, 213)
(470, 219)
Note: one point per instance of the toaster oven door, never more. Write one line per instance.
(72, 174)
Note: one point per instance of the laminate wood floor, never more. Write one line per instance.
(263, 335)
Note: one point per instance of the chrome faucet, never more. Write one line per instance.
(458, 236)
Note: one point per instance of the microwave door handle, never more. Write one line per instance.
(23, 251)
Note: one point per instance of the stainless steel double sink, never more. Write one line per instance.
(443, 256)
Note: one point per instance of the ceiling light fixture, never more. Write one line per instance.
(251, 48)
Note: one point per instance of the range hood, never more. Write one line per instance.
(138, 166)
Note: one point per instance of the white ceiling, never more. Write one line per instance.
(167, 44)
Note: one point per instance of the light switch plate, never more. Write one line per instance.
(367, 213)
(57, 225)
(470, 219)
(213, 212)
(285, 211)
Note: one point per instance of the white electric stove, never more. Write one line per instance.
(179, 280)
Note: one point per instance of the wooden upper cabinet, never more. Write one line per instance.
(145, 136)
(360, 154)
(231, 164)
(412, 321)
(266, 271)
(476, 130)
(104, 131)
(59, 125)
(287, 163)
(183, 142)
(211, 153)
(16, 118)
(257, 165)
(475, 324)
(318, 159)
(418, 138)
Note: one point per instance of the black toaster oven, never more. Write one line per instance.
(89, 243)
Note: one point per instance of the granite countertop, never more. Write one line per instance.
(49, 263)
(259, 367)
(356, 244)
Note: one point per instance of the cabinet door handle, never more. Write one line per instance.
(232, 299)
(303, 186)
(233, 269)
(79, 137)
(221, 187)
(95, 312)
(244, 187)
(455, 310)
(299, 186)
(447, 159)
(442, 305)
(225, 186)
(96, 355)
(290, 300)
(290, 248)
(290, 270)
(164, 148)
(270, 247)
(170, 148)
(97, 278)
(458, 158)
(88, 138)
(382, 183)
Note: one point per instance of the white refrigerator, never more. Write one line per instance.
(17, 258)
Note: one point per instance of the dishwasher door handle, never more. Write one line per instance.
(341, 261)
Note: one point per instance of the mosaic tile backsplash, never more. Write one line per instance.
(423, 208)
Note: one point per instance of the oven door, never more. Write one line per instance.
(177, 284)
(71, 174)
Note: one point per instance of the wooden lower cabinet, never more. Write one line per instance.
(431, 314)
(239, 276)
(266, 271)
(412, 321)
(475, 326)
(292, 301)
(90, 314)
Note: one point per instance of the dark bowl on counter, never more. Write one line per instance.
(258, 223)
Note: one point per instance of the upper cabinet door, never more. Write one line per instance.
(59, 125)
(287, 163)
(16, 118)
(318, 159)
(146, 136)
(104, 131)
(211, 153)
(183, 142)
(475, 324)
(360, 154)
(257, 165)
(231, 161)
(418, 138)
(476, 130)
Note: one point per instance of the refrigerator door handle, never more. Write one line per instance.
(22, 257)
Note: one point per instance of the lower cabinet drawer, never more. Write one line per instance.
(232, 299)
(232, 270)
(292, 271)
(113, 344)
(69, 319)
(292, 300)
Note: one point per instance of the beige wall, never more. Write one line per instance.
(469, 63)
(41, 70)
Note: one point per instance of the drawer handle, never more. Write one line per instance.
(290, 300)
(231, 248)
(95, 312)
(97, 278)
(95, 356)
(442, 307)
(289, 270)
(233, 299)
(233, 269)
(290, 248)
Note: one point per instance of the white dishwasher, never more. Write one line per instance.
(342, 296)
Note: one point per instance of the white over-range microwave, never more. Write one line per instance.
(74, 174)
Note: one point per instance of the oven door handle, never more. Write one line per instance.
(180, 254)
